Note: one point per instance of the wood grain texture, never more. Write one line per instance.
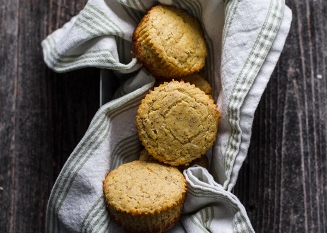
(43, 115)
(283, 183)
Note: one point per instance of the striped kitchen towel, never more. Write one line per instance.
(244, 38)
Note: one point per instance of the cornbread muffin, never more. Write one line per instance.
(202, 161)
(177, 123)
(169, 43)
(199, 81)
(144, 156)
(145, 197)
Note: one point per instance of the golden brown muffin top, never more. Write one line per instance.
(169, 42)
(142, 187)
(177, 123)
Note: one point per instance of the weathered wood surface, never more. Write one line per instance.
(43, 115)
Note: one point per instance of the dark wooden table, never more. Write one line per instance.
(43, 115)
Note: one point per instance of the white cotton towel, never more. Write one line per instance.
(244, 38)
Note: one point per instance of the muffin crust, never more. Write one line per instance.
(143, 196)
(169, 43)
(177, 123)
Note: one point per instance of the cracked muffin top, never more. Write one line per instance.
(169, 43)
(177, 123)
